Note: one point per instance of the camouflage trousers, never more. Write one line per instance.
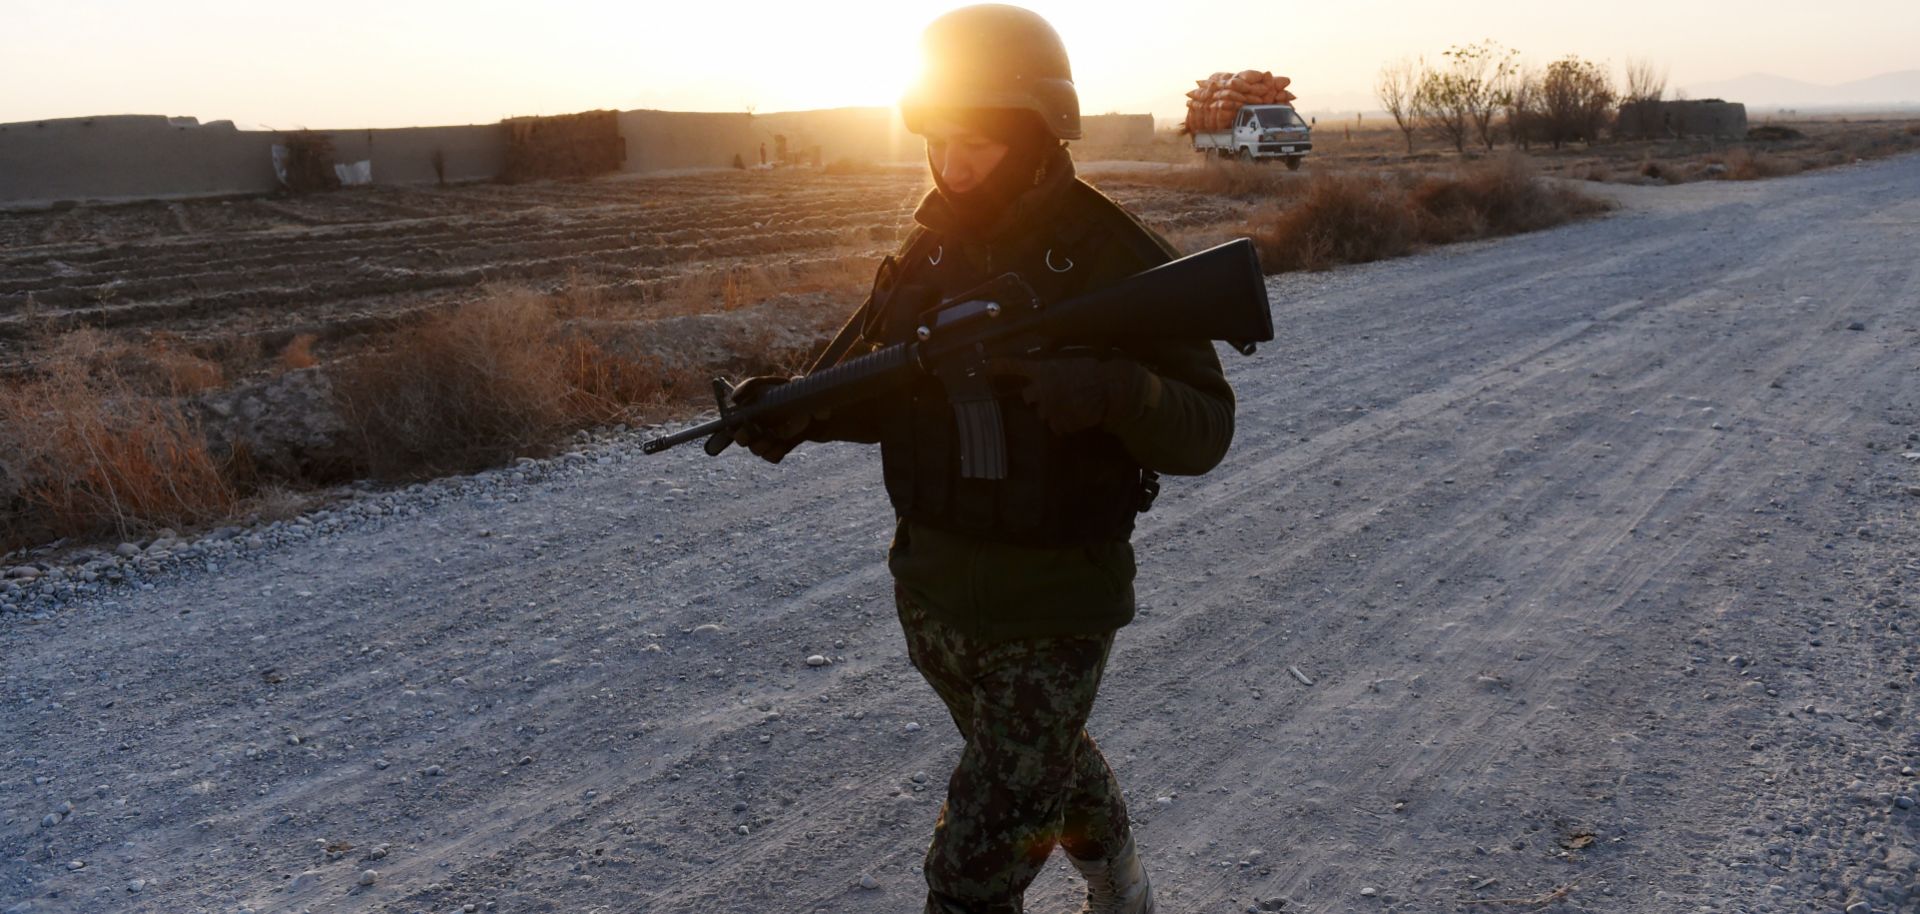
(1029, 777)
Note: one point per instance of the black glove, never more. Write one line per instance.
(771, 439)
(1072, 394)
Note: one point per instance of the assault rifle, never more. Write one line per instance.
(1217, 294)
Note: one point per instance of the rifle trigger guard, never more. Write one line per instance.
(1050, 265)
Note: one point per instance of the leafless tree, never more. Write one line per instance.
(1641, 113)
(1524, 117)
(1438, 106)
(1459, 98)
(1576, 96)
(1645, 83)
(1398, 83)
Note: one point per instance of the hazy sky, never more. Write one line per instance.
(352, 63)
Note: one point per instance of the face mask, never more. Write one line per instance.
(1029, 151)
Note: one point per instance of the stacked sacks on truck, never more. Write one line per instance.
(1213, 101)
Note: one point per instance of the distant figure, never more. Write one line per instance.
(763, 155)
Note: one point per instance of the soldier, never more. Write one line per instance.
(1009, 591)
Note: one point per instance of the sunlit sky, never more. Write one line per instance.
(353, 63)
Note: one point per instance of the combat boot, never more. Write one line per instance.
(1116, 884)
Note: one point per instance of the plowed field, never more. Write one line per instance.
(339, 264)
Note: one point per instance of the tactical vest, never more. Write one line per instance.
(1059, 490)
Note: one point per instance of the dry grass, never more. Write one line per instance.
(1344, 218)
(1361, 217)
(510, 374)
(298, 353)
(487, 381)
(102, 441)
(1743, 164)
(154, 364)
(731, 287)
(1498, 196)
(1238, 180)
(86, 452)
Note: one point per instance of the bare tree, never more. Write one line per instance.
(1398, 83)
(1576, 96)
(1458, 99)
(1488, 70)
(1645, 83)
(1524, 116)
(1641, 114)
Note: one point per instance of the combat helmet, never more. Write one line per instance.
(995, 56)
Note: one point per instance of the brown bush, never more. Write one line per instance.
(309, 162)
(1773, 133)
(1745, 165)
(156, 365)
(298, 353)
(702, 290)
(493, 379)
(603, 387)
(1343, 219)
(84, 452)
(1354, 218)
(458, 392)
(1500, 196)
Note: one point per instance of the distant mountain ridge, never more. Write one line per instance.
(1766, 90)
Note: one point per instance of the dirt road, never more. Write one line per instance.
(1593, 550)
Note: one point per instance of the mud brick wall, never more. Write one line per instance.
(133, 157)
(145, 156)
(130, 156)
(1705, 117)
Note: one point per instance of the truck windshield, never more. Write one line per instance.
(1275, 118)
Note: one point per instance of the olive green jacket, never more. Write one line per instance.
(1182, 427)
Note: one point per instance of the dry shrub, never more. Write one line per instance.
(1344, 218)
(1913, 130)
(298, 353)
(739, 285)
(156, 365)
(309, 162)
(490, 380)
(1500, 196)
(1774, 133)
(85, 452)
(1745, 165)
(458, 392)
(603, 387)
(1357, 218)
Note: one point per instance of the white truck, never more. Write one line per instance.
(1260, 133)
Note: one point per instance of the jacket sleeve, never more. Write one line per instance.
(1185, 423)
